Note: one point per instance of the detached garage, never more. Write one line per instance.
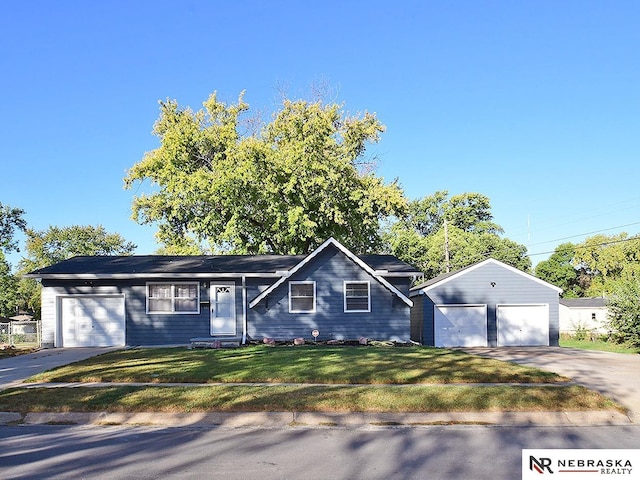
(485, 304)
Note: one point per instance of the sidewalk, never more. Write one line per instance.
(306, 419)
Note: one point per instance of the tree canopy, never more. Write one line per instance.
(56, 244)
(282, 187)
(471, 235)
(11, 220)
(594, 267)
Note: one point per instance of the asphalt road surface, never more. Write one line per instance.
(430, 452)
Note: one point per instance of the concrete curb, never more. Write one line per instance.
(318, 419)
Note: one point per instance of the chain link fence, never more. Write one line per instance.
(21, 333)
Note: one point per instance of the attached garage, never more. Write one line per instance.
(522, 325)
(485, 304)
(92, 320)
(460, 325)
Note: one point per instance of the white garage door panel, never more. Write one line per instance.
(460, 325)
(523, 325)
(92, 321)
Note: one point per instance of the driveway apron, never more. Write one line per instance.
(14, 370)
(615, 375)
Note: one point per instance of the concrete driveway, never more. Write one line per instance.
(14, 370)
(615, 375)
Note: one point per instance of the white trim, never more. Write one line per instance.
(493, 261)
(344, 290)
(244, 309)
(305, 282)
(315, 253)
(173, 299)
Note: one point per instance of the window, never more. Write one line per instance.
(302, 297)
(357, 297)
(173, 298)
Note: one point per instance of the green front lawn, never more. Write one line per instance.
(302, 364)
(304, 398)
(406, 371)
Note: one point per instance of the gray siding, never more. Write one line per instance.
(387, 320)
(142, 328)
(475, 287)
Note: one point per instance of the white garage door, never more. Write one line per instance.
(92, 321)
(523, 325)
(460, 325)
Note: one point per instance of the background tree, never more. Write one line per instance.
(56, 244)
(594, 267)
(11, 221)
(606, 259)
(471, 235)
(559, 270)
(282, 188)
(624, 312)
(8, 289)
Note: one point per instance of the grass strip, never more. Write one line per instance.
(227, 398)
(305, 364)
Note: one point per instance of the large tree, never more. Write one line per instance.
(282, 187)
(441, 233)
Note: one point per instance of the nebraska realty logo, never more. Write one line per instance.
(576, 463)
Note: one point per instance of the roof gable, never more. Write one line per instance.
(345, 251)
(448, 277)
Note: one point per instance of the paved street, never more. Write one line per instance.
(449, 452)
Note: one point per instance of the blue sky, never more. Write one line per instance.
(535, 104)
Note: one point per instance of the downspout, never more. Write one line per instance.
(244, 309)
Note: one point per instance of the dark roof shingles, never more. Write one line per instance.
(153, 264)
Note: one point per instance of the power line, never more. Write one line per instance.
(587, 233)
(571, 219)
(611, 242)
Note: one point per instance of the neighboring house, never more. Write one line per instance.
(588, 314)
(156, 300)
(485, 304)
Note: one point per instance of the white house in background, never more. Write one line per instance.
(583, 314)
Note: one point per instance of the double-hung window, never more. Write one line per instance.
(180, 298)
(302, 297)
(357, 297)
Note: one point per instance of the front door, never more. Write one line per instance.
(223, 309)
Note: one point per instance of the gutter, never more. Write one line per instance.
(244, 309)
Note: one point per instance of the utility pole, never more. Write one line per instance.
(447, 263)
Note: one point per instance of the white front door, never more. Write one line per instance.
(223, 309)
